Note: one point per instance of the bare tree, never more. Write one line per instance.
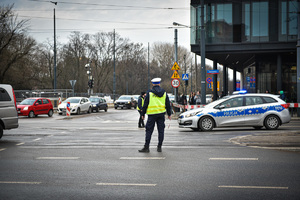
(14, 44)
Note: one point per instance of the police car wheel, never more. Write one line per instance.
(272, 122)
(206, 124)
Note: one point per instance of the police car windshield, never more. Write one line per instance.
(125, 98)
(217, 101)
(72, 101)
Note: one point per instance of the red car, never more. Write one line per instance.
(32, 107)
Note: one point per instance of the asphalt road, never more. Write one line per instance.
(95, 156)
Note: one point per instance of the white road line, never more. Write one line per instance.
(252, 187)
(20, 144)
(17, 182)
(57, 158)
(235, 159)
(142, 158)
(37, 139)
(3, 149)
(126, 184)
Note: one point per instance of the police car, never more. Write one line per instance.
(256, 110)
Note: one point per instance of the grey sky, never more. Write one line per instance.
(141, 21)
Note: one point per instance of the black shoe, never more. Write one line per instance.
(144, 150)
(158, 148)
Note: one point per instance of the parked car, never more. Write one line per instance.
(8, 108)
(208, 98)
(126, 101)
(33, 107)
(77, 105)
(256, 110)
(98, 103)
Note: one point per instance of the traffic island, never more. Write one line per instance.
(289, 141)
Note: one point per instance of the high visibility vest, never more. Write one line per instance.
(142, 103)
(157, 104)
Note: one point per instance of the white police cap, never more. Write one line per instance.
(156, 81)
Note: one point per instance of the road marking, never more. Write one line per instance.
(142, 158)
(237, 159)
(16, 182)
(37, 139)
(57, 158)
(126, 184)
(20, 143)
(252, 187)
(3, 149)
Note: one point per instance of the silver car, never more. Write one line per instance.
(8, 108)
(256, 110)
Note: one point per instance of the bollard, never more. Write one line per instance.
(59, 100)
(68, 109)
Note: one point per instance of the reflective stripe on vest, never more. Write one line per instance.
(157, 104)
(142, 103)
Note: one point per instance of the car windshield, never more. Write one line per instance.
(72, 101)
(28, 102)
(95, 100)
(125, 98)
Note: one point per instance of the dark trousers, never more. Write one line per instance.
(141, 121)
(160, 122)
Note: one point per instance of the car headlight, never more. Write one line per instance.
(192, 114)
(26, 108)
(128, 102)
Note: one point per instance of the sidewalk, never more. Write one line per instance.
(280, 140)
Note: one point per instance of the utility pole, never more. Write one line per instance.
(114, 81)
(176, 59)
(298, 59)
(54, 51)
(148, 67)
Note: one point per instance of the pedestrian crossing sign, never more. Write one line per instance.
(175, 66)
(185, 77)
(175, 75)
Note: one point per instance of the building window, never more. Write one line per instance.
(259, 22)
(288, 20)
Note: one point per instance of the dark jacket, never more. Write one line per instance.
(140, 102)
(157, 90)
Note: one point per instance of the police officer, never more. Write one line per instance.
(155, 106)
(140, 107)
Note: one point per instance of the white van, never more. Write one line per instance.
(8, 108)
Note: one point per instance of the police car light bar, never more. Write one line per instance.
(240, 92)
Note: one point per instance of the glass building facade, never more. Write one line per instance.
(255, 37)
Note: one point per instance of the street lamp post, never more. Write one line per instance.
(54, 50)
(202, 53)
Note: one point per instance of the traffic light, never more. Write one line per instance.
(186, 82)
(90, 84)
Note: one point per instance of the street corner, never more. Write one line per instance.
(289, 141)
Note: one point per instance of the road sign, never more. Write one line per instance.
(185, 77)
(175, 66)
(175, 83)
(209, 86)
(175, 75)
(215, 71)
(208, 80)
(72, 82)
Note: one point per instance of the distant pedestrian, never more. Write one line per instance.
(282, 95)
(155, 106)
(140, 108)
(198, 98)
